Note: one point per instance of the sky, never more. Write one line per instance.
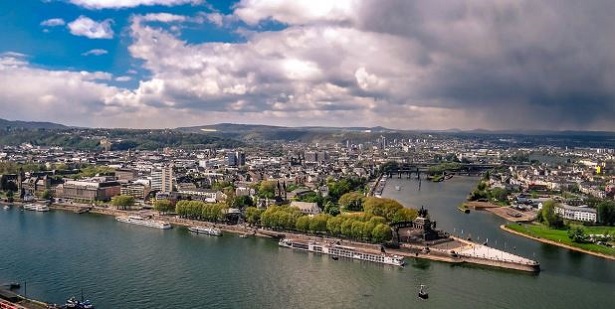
(403, 64)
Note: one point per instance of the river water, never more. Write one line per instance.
(117, 265)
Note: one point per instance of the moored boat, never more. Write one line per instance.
(74, 303)
(212, 231)
(336, 250)
(422, 293)
(36, 207)
(138, 220)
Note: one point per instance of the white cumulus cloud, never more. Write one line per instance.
(95, 52)
(53, 22)
(87, 27)
(163, 17)
(119, 4)
(297, 11)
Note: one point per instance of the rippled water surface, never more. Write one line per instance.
(124, 266)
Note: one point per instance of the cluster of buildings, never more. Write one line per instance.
(296, 168)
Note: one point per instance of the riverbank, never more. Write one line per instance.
(555, 243)
(513, 215)
(407, 250)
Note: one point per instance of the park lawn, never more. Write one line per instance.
(561, 236)
(599, 229)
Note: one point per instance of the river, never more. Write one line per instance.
(124, 266)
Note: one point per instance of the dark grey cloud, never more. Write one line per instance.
(527, 57)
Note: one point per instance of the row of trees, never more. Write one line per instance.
(164, 206)
(197, 210)
(371, 225)
(123, 201)
(389, 209)
(606, 212)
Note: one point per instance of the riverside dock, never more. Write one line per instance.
(465, 252)
(11, 300)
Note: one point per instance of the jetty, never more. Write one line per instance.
(420, 239)
(11, 300)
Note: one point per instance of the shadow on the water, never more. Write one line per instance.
(420, 264)
(551, 251)
(498, 269)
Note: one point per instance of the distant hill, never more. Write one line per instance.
(18, 124)
(251, 132)
(235, 127)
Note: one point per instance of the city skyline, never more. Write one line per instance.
(399, 64)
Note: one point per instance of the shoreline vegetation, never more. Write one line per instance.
(407, 250)
(557, 238)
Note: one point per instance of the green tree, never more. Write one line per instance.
(356, 229)
(404, 215)
(352, 201)
(267, 189)
(242, 201)
(548, 215)
(382, 207)
(318, 224)
(606, 212)
(163, 206)
(499, 194)
(123, 201)
(303, 224)
(346, 227)
(577, 234)
(481, 186)
(331, 208)
(47, 195)
(312, 197)
(253, 215)
(334, 225)
(381, 233)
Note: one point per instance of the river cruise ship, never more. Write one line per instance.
(337, 250)
(138, 220)
(211, 231)
(36, 207)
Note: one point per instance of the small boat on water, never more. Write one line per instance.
(12, 285)
(74, 303)
(422, 293)
(211, 231)
(335, 258)
(6, 207)
(36, 207)
(138, 220)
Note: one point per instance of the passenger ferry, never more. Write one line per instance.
(36, 207)
(344, 251)
(138, 220)
(211, 231)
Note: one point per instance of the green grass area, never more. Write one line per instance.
(561, 236)
(599, 229)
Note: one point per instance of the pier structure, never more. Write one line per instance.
(492, 256)
(421, 237)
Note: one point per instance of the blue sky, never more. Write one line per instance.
(408, 64)
(54, 47)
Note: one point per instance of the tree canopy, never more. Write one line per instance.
(606, 212)
(123, 201)
(352, 201)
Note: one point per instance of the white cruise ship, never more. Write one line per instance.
(36, 207)
(336, 250)
(138, 220)
(212, 231)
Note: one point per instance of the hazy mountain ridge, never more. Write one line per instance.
(20, 124)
